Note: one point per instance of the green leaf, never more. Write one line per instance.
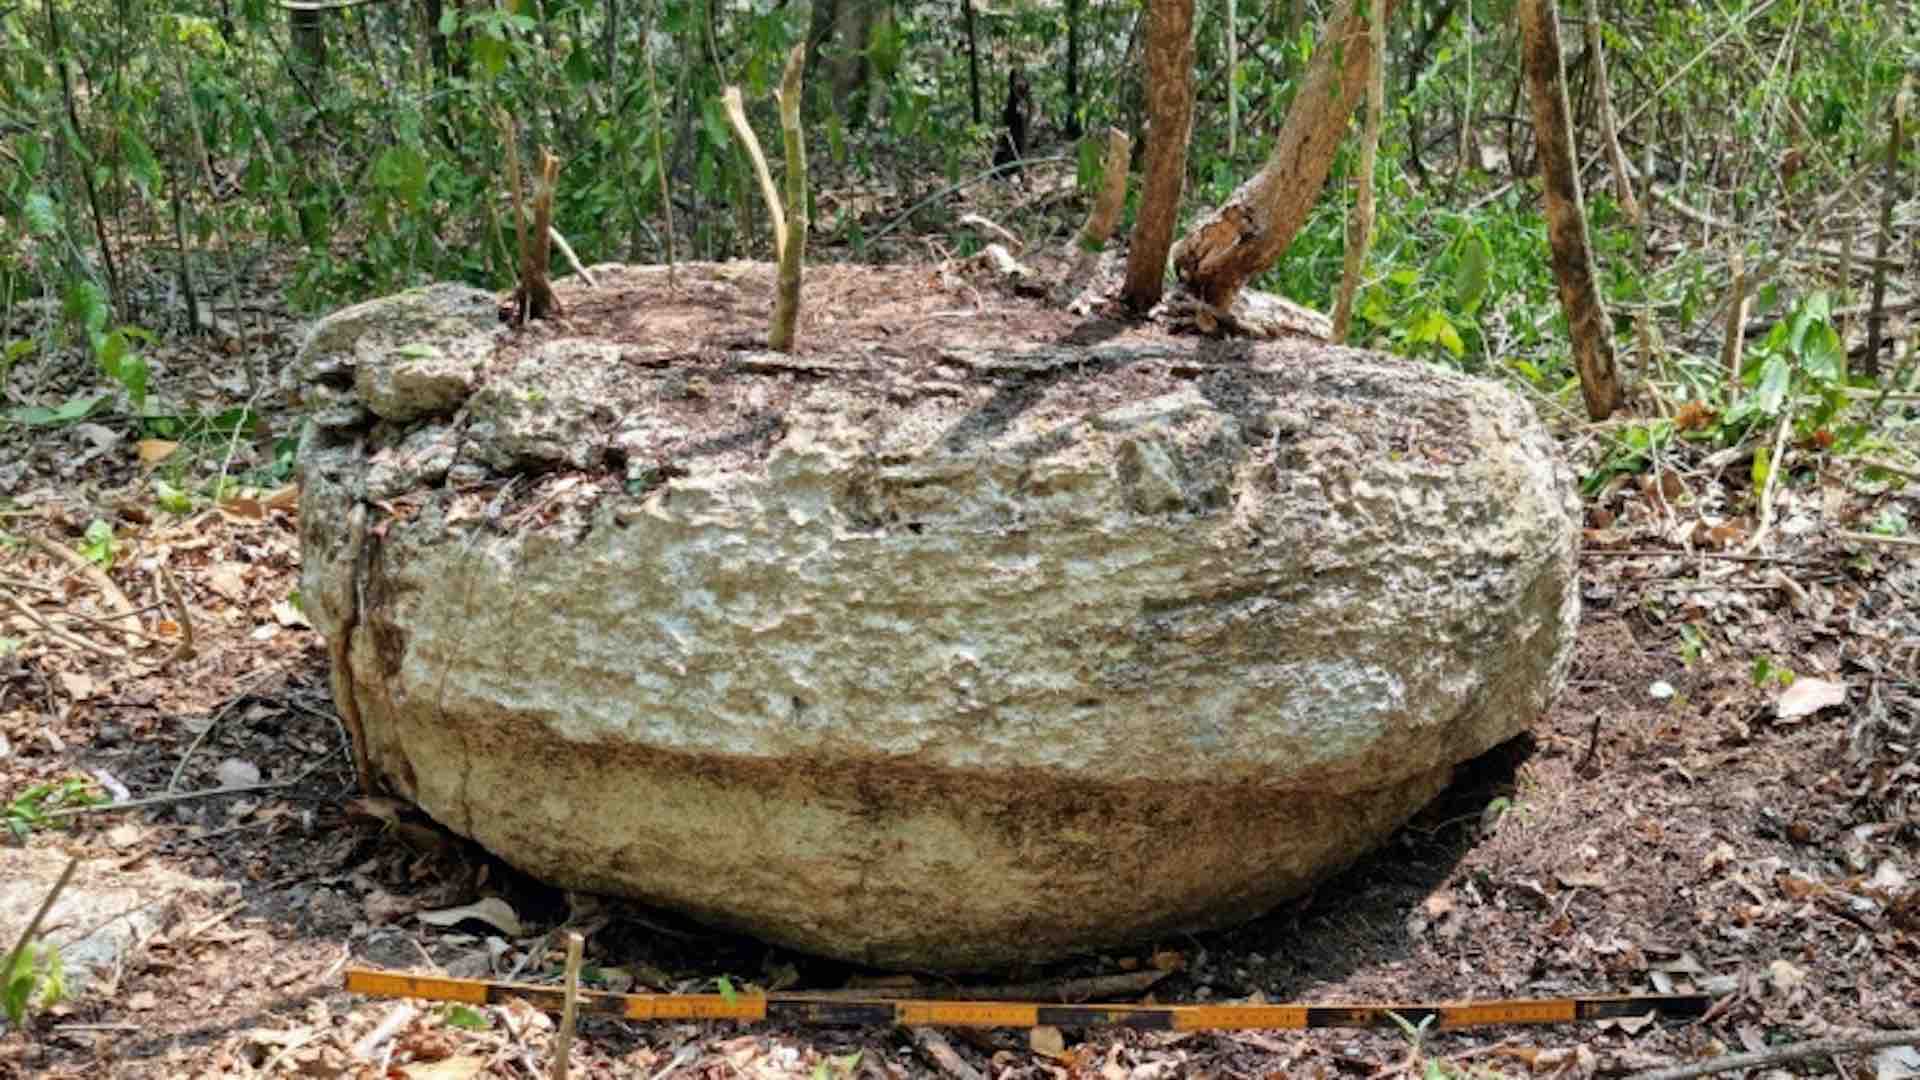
(713, 117)
(1762, 466)
(171, 499)
(1470, 279)
(1772, 391)
(85, 306)
(402, 170)
(65, 413)
(491, 50)
(97, 544)
(727, 992)
(466, 1017)
(417, 350)
(140, 161)
(449, 20)
(42, 219)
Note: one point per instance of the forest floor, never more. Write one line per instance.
(1682, 819)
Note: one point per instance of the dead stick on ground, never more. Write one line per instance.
(183, 651)
(183, 796)
(1660, 553)
(1874, 538)
(33, 924)
(941, 1053)
(1774, 467)
(1905, 472)
(214, 722)
(121, 605)
(573, 260)
(59, 634)
(563, 1042)
(1793, 1052)
(398, 1017)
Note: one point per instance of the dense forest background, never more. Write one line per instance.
(171, 168)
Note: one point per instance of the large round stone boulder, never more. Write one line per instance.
(916, 650)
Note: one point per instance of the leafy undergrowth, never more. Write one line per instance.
(1723, 799)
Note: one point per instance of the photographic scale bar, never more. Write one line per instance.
(799, 1008)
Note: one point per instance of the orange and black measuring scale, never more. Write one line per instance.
(800, 1008)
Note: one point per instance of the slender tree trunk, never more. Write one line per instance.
(1609, 130)
(1169, 75)
(849, 72)
(1074, 9)
(973, 59)
(820, 21)
(793, 250)
(82, 167)
(1573, 269)
(1252, 229)
(1360, 220)
(1233, 66)
(309, 41)
(432, 11)
(1877, 310)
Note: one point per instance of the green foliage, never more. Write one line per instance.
(33, 808)
(36, 977)
(97, 544)
(1767, 673)
(465, 1017)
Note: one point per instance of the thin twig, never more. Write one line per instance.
(59, 634)
(1776, 1055)
(1660, 553)
(570, 1005)
(1876, 538)
(11, 582)
(33, 924)
(107, 623)
(232, 703)
(941, 1053)
(185, 796)
(398, 1017)
(1774, 468)
(961, 186)
(184, 650)
(93, 573)
(1902, 471)
(573, 260)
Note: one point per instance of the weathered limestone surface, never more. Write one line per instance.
(947, 661)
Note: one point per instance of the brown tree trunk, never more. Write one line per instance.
(973, 61)
(1877, 309)
(309, 42)
(1252, 229)
(1587, 322)
(1169, 86)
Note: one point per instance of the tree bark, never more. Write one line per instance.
(1877, 309)
(1360, 219)
(309, 41)
(793, 252)
(1169, 75)
(973, 59)
(1609, 130)
(1073, 126)
(1573, 270)
(1252, 229)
